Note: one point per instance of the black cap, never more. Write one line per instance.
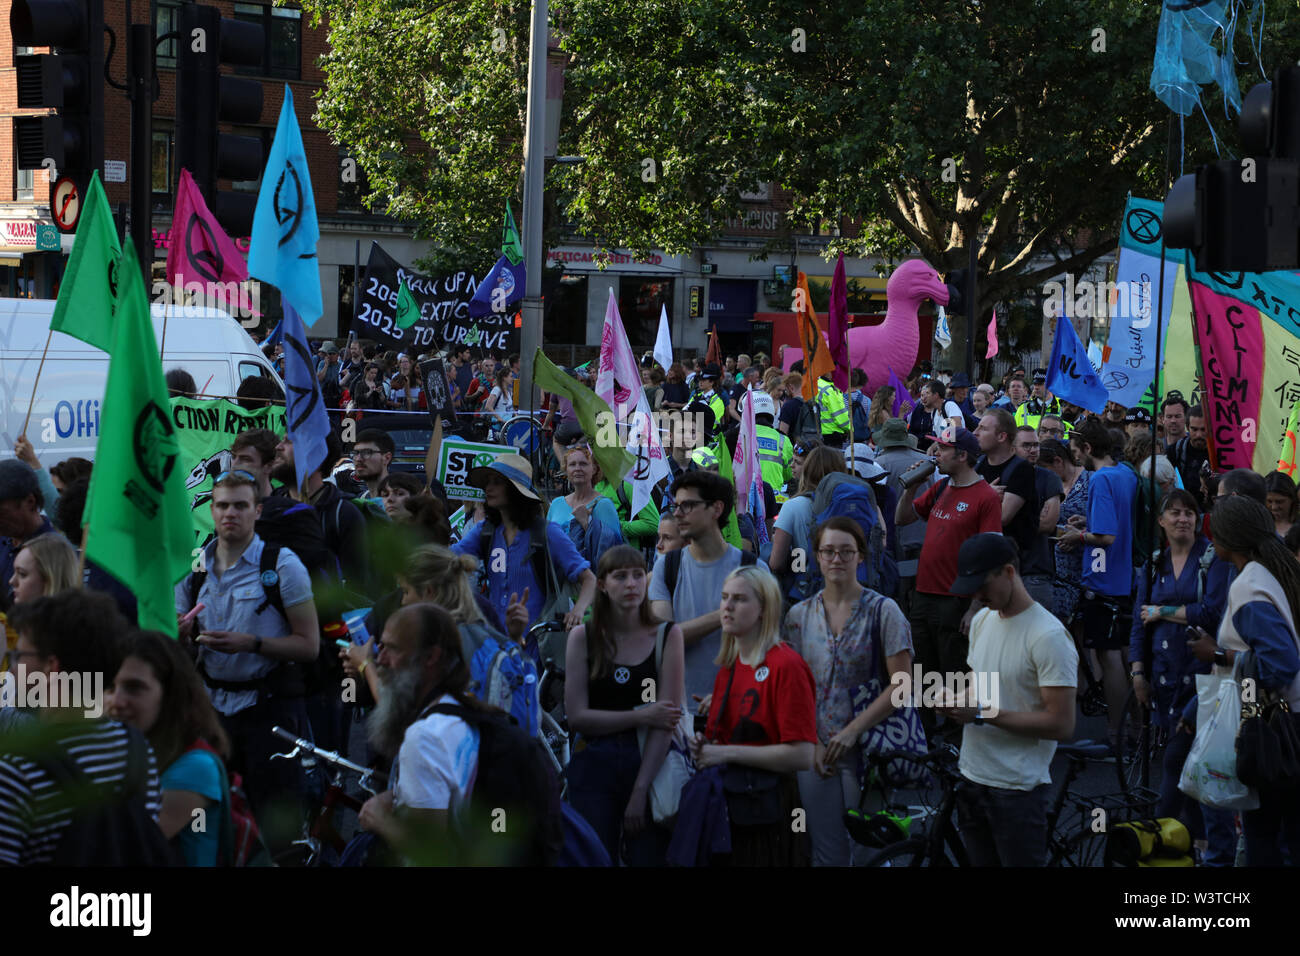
(17, 480)
(711, 371)
(1137, 416)
(980, 555)
(1040, 377)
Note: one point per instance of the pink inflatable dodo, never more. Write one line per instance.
(894, 343)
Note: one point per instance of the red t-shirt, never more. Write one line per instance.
(773, 703)
(957, 514)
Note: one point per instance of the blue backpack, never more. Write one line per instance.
(848, 496)
(502, 676)
(861, 430)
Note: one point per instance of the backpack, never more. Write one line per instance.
(848, 496)
(241, 842)
(861, 430)
(502, 676)
(266, 574)
(117, 831)
(539, 554)
(673, 567)
(514, 775)
(808, 422)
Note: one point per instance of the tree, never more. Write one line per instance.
(913, 124)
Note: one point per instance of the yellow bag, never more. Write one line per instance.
(1163, 842)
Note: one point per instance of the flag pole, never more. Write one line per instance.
(435, 446)
(32, 401)
(81, 560)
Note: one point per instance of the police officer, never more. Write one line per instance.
(837, 426)
(775, 451)
(708, 394)
(1040, 403)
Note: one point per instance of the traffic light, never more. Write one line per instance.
(1244, 215)
(70, 143)
(205, 98)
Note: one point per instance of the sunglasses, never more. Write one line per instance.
(238, 473)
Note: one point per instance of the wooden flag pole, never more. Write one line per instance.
(49, 335)
(431, 459)
(162, 346)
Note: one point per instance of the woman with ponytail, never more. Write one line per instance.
(1261, 615)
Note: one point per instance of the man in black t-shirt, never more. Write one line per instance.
(1010, 476)
(1038, 565)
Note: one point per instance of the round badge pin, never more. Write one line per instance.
(760, 675)
(621, 675)
(270, 579)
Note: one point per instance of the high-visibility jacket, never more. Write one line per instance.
(704, 458)
(775, 455)
(717, 406)
(835, 410)
(1032, 412)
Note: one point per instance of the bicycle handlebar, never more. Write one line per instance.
(329, 756)
(938, 755)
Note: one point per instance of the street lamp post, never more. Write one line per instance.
(534, 184)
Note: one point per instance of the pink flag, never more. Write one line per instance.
(993, 336)
(199, 251)
(748, 471)
(838, 326)
(617, 378)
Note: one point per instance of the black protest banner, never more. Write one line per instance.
(444, 310)
(436, 391)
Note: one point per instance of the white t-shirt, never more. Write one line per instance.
(950, 410)
(437, 763)
(504, 407)
(1011, 658)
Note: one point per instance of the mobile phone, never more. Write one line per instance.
(701, 723)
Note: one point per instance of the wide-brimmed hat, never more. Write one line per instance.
(894, 434)
(959, 381)
(514, 468)
(329, 348)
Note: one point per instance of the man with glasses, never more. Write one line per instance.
(1052, 426)
(1037, 563)
(257, 626)
(372, 453)
(688, 591)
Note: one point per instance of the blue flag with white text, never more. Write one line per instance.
(282, 249)
(1070, 376)
(507, 277)
(305, 417)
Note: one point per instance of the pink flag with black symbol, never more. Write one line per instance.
(199, 252)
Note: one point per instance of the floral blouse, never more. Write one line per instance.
(843, 663)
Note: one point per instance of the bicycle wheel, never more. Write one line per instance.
(1079, 849)
(1138, 747)
(914, 851)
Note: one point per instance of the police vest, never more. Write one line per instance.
(775, 455)
(704, 458)
(1032, 412)
(835, 410)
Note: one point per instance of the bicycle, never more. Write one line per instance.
(322, 837)
(550, 693)
(939, 843)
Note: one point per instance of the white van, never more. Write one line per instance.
(213, 347)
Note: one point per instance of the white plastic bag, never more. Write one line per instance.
(1210, 773)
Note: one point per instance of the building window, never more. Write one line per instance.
(25, 186)
(163, 166)
(639, 302)
(282, 32)
(167, 20)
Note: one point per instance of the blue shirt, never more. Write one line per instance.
(198, 772)
(232, 599)
(1111, 492)
(518, 573)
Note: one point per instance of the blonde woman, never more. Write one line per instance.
(43, 566)
(762, 723)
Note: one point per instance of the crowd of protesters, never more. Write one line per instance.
(990, 528)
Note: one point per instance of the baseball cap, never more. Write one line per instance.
(978, 556)
(329, 348)
(960, 439)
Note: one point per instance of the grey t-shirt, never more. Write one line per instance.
(699, 591)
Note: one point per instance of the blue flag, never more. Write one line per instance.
(305, 419)
(1070, 376)
(507, 277)
(282, 249)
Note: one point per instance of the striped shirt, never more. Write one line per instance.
(30, 827)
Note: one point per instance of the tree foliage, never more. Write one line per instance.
(857, 107)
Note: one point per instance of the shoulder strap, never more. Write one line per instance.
(270, 579)
(194, 583)
(660, 638)
(621, 491)
(747, 558)
(672, 568)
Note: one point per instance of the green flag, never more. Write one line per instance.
(87, 295)
(731, 533)
(137, 511)
(408, 310)
(511, 247)
(609, 453)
